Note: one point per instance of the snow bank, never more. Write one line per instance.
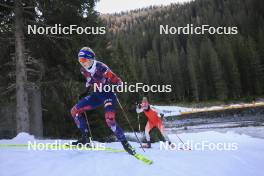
(246, 160)
(23, 137)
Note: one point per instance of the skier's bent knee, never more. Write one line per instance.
(110, 119)
(74, 111)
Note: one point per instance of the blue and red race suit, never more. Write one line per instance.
(98, 74)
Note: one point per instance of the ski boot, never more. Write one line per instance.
(82, 141)
(171, 144)
(146, 145)
(128, 148)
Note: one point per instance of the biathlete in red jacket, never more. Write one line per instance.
(153, 121)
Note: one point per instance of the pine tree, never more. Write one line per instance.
(230, 69)
(192, 64)
(256, 67)
(217, 73)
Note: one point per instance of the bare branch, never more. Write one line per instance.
(29, 7)
(9, 89)
(7, 6)
(32, 70)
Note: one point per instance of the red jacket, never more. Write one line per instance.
(152, 116)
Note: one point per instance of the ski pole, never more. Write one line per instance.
(89, 128)
(138, 123)
(87, 122)
(124, 113)
(182, 141)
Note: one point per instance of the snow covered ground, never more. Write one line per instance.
(170, 110)
(246, 160)
(178, 110)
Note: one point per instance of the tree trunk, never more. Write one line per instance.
(35, 110)
(22, 112)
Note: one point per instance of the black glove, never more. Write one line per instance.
(138, 106)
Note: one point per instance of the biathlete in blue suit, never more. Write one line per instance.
(97, 73)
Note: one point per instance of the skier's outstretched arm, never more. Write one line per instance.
(112, 77)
